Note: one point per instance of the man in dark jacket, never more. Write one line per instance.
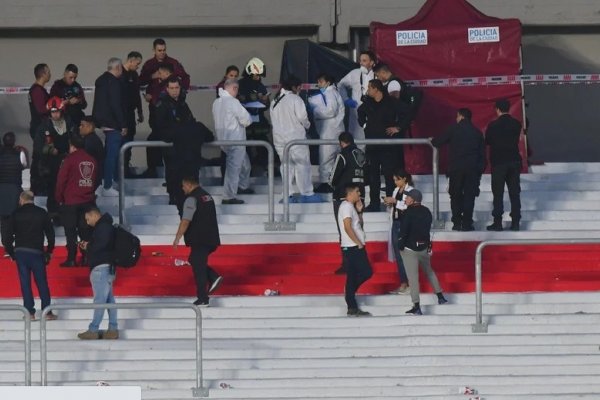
(502, 136)
(176, 124)
(132, 101)
(75, 189)
(92, 144)
(414, 244)
(71, 92)
(109, 113)
(380, 115)
(100, 251)
(200, 230)
(347, 168)
(466, 164)
(24, 242)
(11, 171)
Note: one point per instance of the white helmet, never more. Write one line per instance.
(255, 67)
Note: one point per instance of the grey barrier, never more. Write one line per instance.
(479, 326)
(198, 391)
(245, 143)
(286, 225)
(27, 320)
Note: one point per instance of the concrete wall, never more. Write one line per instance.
(358, 13)
(207, 35)
(564, 119)
(25, 14)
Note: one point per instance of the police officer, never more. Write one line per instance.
(347, 168)
(200, 230)
(172, 112)
(415, 245)
(502, 136)
(466, 164)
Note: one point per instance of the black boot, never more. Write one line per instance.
(496, 226)
(515, 225)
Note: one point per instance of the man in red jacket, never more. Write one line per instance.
(75, 188)
(150, 75)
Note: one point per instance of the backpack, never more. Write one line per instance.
(127, 248)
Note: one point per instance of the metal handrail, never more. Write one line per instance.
(479, 326)
(198, 391)
(377, 142)
(245, 143)
(27, 319)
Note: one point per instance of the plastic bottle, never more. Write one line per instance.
(180, 263)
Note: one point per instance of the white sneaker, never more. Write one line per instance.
(109, 192)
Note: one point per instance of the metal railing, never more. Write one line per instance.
(198, 391)
(287, 225)
(27, 321)
(479, 326)
(245, 143)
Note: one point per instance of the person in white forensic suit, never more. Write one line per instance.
(328, 111)
(357, 82)
(290, 122)
(231, 120)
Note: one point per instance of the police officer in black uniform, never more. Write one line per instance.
(200, 230)
(347, 168)
(502, 135)
(466, 164)
(171, 111)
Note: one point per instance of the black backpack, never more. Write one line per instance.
(127, 248)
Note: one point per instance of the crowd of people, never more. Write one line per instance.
(71, 165)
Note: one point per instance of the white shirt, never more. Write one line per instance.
(347, 210)
(352, 81)
(288, 117)
(401, 204)
(231, 118)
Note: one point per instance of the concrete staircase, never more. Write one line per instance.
(558, 201)
(539, 346)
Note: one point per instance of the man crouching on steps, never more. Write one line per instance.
(358, 268)
(100, 251)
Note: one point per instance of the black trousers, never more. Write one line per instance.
(73, 220)
(509, 174)
(131, 131)
(154, 155)
(464, 187)
(203, 274)
(382, 160)
(358, 271)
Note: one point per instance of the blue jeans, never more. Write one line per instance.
(32, 263)
(111, 162)
(102, 286)
(400, 264)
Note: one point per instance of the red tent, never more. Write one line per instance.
(451, 39)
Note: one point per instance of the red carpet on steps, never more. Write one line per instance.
(307, 268)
